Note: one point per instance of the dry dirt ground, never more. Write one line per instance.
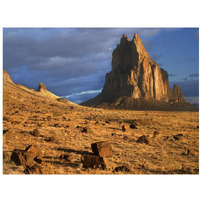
(165, 154)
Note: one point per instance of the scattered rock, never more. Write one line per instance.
(133, 126)
(114, 135)
(66, 156)
(178, 136)
(33, 170)
(51, 139)
(124, 128)
(186, 152)
(102, 149)
(156, 133)
(84, 130)
(6, 156)
(49, 118)
(122, 168)
(57, 125)
(143, 139)
(26, 157)
(17, 157)
(92, 161)
(36, 133)
(6, 119)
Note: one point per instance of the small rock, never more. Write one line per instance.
(114, 135)
(33, 170)
(133, 126)
(92, 161)
(78, 126)
(124, 128)
(36, 133)
(155, 133)
(6, 156)
(49, 118)
(66, 156)
(142, 139)
(107, 122)
(50, 139)
(84, 130)
(102, 149)
(122, 168)
(178, 136)
(57, 125)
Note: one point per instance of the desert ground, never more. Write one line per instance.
(171, 144)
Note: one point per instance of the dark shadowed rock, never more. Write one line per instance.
(143, 139)
(102, 149)
(156, 133)
(178, 136)
(133, 126)
(122, 168)
(84, 130)
(26, 157)
(36, 133)
(92, 161)
(17, 157)
(36, 169)
(66, 156)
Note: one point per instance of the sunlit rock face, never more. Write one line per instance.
(134, 74)
(136, 81)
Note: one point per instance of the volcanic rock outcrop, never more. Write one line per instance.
(137, 82)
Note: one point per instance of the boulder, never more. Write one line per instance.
(102, 149)
(92, 161)
(142, 139)
(133, 126)
(17, 157)
(26, 157)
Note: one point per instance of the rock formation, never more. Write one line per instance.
(136, 81)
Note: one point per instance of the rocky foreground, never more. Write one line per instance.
(43, 134)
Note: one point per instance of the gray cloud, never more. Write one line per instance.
(194, 75)
(66, 60)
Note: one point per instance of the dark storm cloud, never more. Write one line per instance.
(194, 75)
(66, 60)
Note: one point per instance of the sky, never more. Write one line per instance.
(73, 62)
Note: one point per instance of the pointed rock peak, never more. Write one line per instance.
(6, 77)
(124, 37)
(136, 36)
(177, 94)
(41, 87)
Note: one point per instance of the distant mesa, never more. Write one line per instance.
(136, 82)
